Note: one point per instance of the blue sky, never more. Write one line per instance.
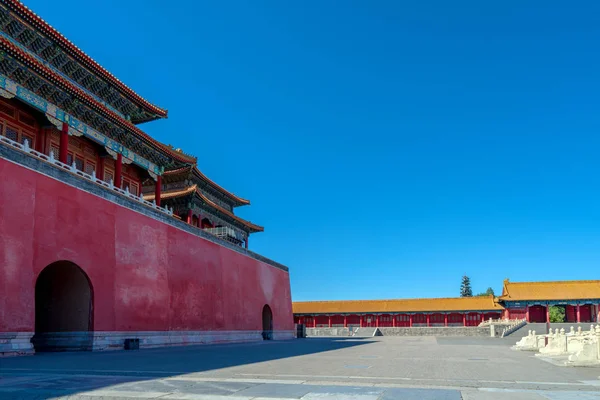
(387, 147)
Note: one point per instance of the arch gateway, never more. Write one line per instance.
(63, 309)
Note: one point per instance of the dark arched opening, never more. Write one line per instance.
(205, 223)
(63, 309)
(267, 323)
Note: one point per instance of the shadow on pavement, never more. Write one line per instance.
(74, 372)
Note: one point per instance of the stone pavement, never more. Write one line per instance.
(332, 368)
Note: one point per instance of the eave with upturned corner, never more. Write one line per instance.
(193, 174)
(190, 196)
(26, 70)
(40, 38)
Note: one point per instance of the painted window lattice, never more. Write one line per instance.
(13, 126)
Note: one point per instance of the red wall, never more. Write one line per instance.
(146, 275)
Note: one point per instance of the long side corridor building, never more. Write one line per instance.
(519, 300)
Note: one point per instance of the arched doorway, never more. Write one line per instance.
(267, 323)
(63, 308)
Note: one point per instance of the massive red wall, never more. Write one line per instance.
(146, 275)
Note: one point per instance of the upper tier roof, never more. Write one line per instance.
(47, 73)
(556, 290)
(143, 109)
(478, 303)
(236, 200)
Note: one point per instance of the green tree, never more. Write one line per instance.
(557, 314)
(488, 292)
(465, 287)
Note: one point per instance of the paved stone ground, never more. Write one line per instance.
(332, 368)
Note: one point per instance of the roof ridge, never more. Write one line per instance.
(48, 74)
(405, 299)
(220, 188)
(25, 12)
(553, 282)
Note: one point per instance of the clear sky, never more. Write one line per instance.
(388, 147)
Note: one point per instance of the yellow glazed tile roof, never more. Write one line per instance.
(557, 290)
(479, 303)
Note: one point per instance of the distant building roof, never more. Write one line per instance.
(557, 290)
(478, 303)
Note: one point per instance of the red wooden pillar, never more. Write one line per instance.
(578, 313)
(547, 314)
(361, 321)
(39, 141)
(64, 143)
(598, 311)
(410, 320)
(377, 321)
(394, 321)
(465, 319)
(428, 320)
(189, 216)
(157, 190)
(446, 319)
(345, 321)
(119, 171)
(527, 313)
(100, 168)
(482, 318)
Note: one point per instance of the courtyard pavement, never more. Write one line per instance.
(318, 368)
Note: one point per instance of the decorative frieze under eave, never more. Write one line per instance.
(57, 116)
(528, 303)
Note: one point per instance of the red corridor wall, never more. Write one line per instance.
(146, 275)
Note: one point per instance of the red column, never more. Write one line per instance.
(578, 314)
(410, 320)
(39, 141)
(527, 313)
(547, 314)
(100, 168)
(427, 319)
(377, 321)
(329, 321)
(598, 311)
(464, 319)
(157, 190)
(119, 171)
(482, 317)
(314, 321)
(394, 321)
(189, 216)
(445, 319)
(64, 143)
(345, 321)
(361, 321)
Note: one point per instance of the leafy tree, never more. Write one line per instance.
(488, 292)
(557, 314)
(465, 287)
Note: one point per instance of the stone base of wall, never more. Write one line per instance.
(414, 331)
(436, 331)
(23, 342)
(328, 332)
(16, 344)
